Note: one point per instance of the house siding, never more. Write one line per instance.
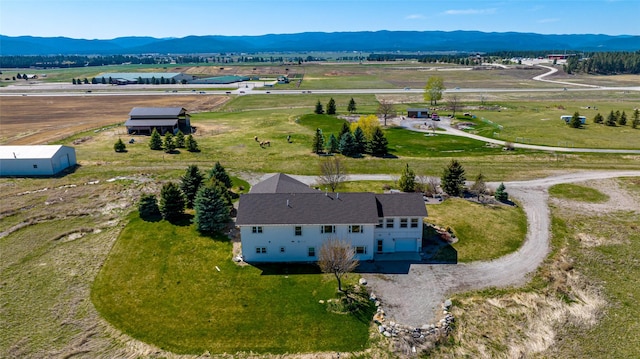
(296, 248)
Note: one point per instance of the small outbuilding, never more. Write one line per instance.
(418, 113)
(40, 160)
(142, 120)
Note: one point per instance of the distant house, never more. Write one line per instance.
(41, 160)
(418, 112)
(283, 79)
(567, 119)
(142, 120)
(283, 220)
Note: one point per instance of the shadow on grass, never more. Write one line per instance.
(183, 220)
(287, 268)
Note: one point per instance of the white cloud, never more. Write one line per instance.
(547, 21)
(471, 12)
(415, 17)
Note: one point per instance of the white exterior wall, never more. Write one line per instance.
(65, 157)
(390, 235)
(296, 248)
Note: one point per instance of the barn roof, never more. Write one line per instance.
(152, 123)
(157, 112)
(29, 152)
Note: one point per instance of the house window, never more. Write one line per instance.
(380, 223)
(298, 230)
(328, 229)
(312, 251)
(282, 250)
(361, 250)
(389, 223)
(356, 229)
(261, 250)
(256, 229)
(404, 222)
(414, 222)
(35, 166)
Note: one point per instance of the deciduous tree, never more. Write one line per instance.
(479, 187)
(337, 257)
(386, 110)
(433, 89)
(332, 172)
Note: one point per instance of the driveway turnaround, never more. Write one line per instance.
(415, 298)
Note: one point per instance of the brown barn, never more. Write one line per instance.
(142, 120)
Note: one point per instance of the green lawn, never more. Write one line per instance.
(578, 193)
(160, 285)
(484, 232)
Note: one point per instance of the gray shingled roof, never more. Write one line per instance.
(307, 208)
(154, 112)
(281, 183)
(401, 205)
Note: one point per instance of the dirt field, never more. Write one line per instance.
(32, 120)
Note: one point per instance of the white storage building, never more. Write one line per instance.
(40, 160)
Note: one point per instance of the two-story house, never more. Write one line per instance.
(283, 220)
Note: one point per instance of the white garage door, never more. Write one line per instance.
(406, 245)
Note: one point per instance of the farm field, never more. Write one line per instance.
(57, 234)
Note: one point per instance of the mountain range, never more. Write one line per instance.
(365, 41)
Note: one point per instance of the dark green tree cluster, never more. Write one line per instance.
(635, 123)
(171, 142)
(617, 118)
(453, 178)
(155, 143)
(211, 199)
(352, 144)
(605, 63)
(575, 121)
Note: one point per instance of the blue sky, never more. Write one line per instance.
(107, 19)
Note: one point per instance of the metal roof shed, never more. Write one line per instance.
(40, 160)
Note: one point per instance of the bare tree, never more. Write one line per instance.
(338, 258)
(479, 186)
(386, 110)
(453, 102)
(332, 172)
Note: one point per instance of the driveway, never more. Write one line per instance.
(416, 297)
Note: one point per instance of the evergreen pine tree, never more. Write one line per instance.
(180, 139)
(352, 106)
(169, 144)
(148, 207)
(378, 144)
(500, 194)
(611, 119)
(319, 110)
(347, 145)
(119, 146)
(622, 121)
(190, 183)
(191, 144)
(333, 145)
(636, 119)
(155, 143)
(212, 211)
(575, 121)
(219, 174)
(359, 140)
(171, 201)
(331, 107)
(318, 142)
(453, 178)
(345, 128)
(598, 118)
(407, 181)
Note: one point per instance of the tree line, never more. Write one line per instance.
(605, 63)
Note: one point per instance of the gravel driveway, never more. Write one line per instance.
(416, 297)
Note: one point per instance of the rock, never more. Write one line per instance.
(381, 329)
(362, 281)
(377, 303)
(447, 304)
(373, 297)
(387, 334)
